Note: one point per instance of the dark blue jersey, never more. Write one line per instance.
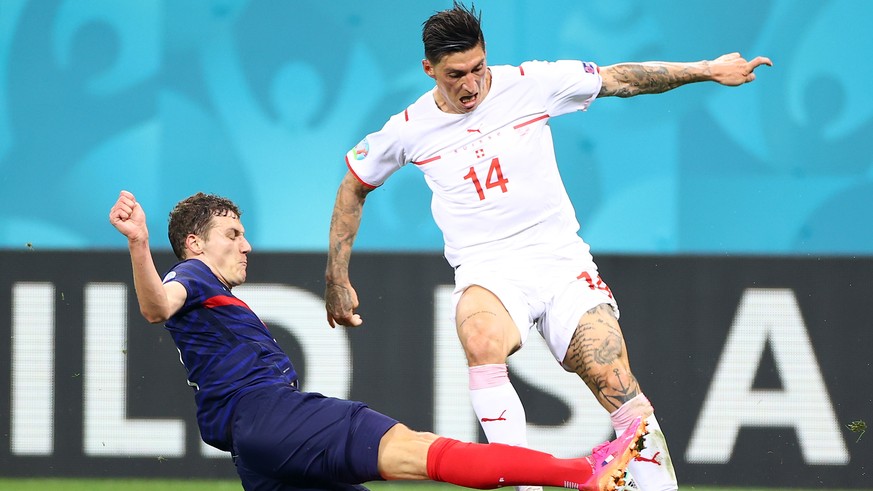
(226, 349)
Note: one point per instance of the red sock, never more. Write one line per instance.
(494, 465)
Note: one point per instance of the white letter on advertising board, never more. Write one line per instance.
(768, 315)
(107, 431)
(33, 369)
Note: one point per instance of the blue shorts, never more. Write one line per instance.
(286, 439)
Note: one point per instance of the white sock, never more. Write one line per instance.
(497, 405)
(652, 469)
(498, 408)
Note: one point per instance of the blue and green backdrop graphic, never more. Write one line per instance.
(261, 100)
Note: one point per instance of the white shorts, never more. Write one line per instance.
(549, 294)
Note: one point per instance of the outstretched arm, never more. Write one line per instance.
(340, 299)
(654, 77)
(157, 302)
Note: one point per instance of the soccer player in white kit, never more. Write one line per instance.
(482, 139)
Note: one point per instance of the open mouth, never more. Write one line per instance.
(469, 101)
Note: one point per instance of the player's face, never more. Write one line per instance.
(462, 80)
(225, 249)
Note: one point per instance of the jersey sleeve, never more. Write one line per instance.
(180, 272)
(186, 275)
(569, 85)
(379, 154)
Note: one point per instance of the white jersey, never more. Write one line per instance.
(495, 181)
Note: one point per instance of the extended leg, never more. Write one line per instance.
(405, 454)
(598, 354)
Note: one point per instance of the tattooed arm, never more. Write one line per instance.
(340, 299)
(654, 77)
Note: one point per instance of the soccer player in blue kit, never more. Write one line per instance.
(248, 400)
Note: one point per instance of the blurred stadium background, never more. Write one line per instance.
(734, 225)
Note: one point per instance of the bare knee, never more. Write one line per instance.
(403, 453)
(485, 329)
(483, 341)
(596, 342)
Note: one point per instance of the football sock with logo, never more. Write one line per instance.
(497, 405)
(653, 468)
(488, 466)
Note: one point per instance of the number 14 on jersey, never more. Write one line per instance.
(494, 178)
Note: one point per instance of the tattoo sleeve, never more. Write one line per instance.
(344, 224)
(631, 79)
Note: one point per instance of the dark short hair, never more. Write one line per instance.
(193, 215)
(450, 31)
